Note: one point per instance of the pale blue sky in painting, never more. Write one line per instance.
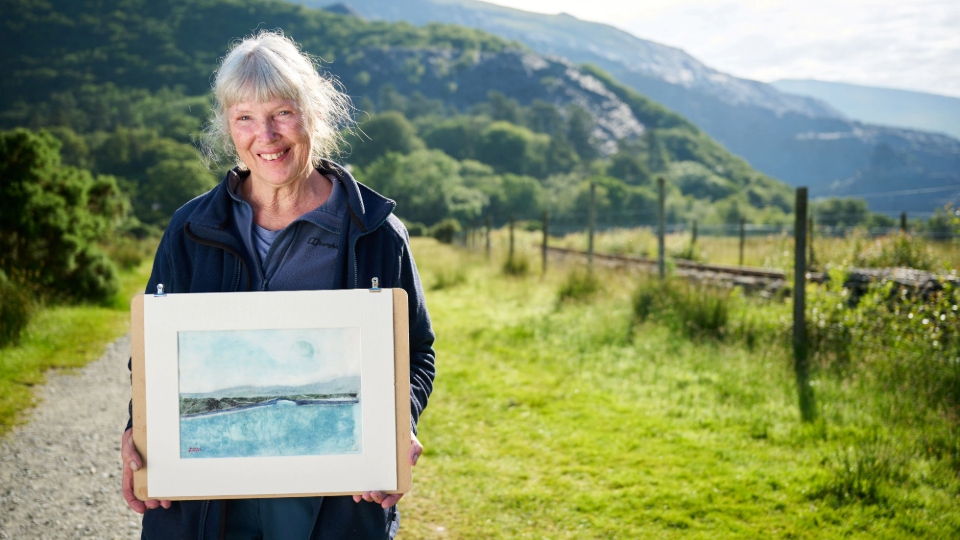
(216, 360)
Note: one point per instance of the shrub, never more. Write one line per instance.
(446, 230)
(51, 217)
(448, 278)
(16, 307)
(126, 251)
(516, 266)
(580, 285)
(896, 250)
(696, 310)
(415, 229)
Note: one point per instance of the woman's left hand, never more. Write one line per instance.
(386, 500)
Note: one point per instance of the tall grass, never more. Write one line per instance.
(579, 286)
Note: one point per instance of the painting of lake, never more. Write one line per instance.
(255, 393)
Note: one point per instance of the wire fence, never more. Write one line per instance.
(833, 238)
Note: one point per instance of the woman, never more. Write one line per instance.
(286, 218)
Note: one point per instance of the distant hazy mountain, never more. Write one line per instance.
(798, 139)
(342, 385)
(886, 106)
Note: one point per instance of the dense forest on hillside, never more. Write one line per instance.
(124, 86)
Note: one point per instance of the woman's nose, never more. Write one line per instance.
(266, 130)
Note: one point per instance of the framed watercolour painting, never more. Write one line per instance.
(271, 394)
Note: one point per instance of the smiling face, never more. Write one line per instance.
(271, 140)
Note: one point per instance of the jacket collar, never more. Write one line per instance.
(368, 209)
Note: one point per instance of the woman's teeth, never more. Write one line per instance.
(271, 157)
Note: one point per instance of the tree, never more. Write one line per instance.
(509, 148)
(700, 182)
(168, 185)
(456, 136)
(580, 132)
(629, 167)
(51, 217)
(387, 132)
(426, 185)
(657, 158)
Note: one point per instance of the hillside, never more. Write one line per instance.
(131, 78)
(885, 106)
(800, 140)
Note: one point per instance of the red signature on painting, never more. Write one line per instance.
(193, 449)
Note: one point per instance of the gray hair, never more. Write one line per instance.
(267, 66)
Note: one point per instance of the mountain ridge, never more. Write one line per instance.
(800, 140)
(893, 107)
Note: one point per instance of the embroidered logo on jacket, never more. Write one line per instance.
(317, 242)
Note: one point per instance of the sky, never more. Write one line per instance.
(907, 44)
(216, 360)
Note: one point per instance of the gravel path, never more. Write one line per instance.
(60, 473)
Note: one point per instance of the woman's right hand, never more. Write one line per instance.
(131, 463)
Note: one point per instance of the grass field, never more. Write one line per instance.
(567, 419)
(62, 337)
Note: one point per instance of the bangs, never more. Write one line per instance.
(256, 77)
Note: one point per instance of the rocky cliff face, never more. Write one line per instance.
(800, 140)
(466, 80)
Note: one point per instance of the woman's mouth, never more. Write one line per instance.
(274, 157)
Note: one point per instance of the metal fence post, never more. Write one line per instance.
(661, 229)
(801, 364)
(693, 238)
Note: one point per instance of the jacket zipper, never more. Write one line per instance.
(315, 520)
(203, 518)
(190, 234)
(353, 250)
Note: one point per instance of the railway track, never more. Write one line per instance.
(771, 282)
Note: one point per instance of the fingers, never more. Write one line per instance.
(390, 500)
(383, 499)
(416, 449)
(128, 455)
(132, 463)
(128, 452)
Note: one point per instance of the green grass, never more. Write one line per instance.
(572, 420)
(63, 337)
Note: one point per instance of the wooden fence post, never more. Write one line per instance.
(592, 223)
(510, 255)
(544, 266)
(800, 359)
(693, 238)
(661, 229)
(743, 237)
(489, 226)
(903, 222)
